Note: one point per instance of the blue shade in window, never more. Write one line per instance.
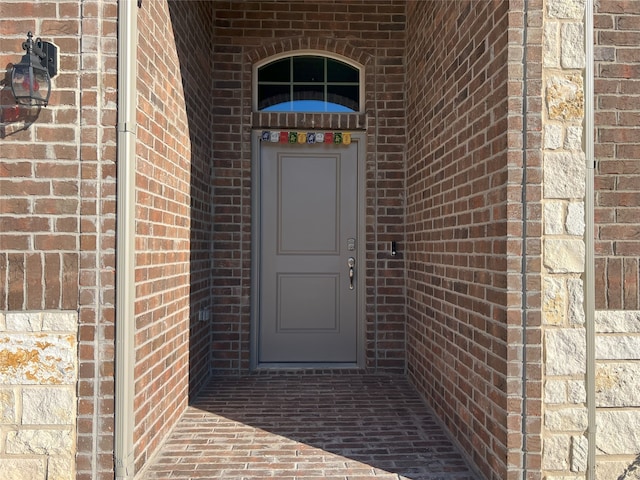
(308, 83)
(308, 106)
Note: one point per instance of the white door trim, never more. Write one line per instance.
(358, 138)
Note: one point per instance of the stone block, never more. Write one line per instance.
(576, 392)
(575, 313)
(8, 412)
(569, 9)
(551, 39)
(40, 442)
(579, 449)
(573, 138)
(575, 222)
(564, 255)
(618, 432)
(48, 406)
(555, 392)
(37, 359)
(565, 351)
(617, 470)
(565, 97)
(3, 322)
(618, 347)
(60, 322)
(553, 137)
(555, 452)
(564, 175)
(553, 304)
(24, 321)
(61, 468)
(617, 385)
(572, 45)
(23, 468)
(553, 218)
(617, 321)
(566, 419)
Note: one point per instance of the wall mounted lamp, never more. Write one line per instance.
(31, 78)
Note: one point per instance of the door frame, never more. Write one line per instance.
(359, 139)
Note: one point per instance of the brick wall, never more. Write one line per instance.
(464, 323)
(369, 32)
(191, 24)
(39, 171)
(172, 215)
(57, 209)
(57, 214)
(96, 87)
(617, 152)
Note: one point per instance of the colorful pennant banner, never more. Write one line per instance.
(337, 138)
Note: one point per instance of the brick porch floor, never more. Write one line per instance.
(309, 427)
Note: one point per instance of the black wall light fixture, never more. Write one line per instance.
(31, 78)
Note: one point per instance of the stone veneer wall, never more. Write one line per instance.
(617, 399)
(564, 175)
(38, 375)
(617, 321)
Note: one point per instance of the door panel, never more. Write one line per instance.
(314, 295)
(308, 219)
(307, 310)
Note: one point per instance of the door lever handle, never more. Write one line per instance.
(351, 262)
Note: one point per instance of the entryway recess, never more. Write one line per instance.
(308, 265)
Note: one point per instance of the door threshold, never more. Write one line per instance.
(312, 368)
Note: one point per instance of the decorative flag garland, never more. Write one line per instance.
(336, 138)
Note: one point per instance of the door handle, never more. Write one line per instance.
(351, 262)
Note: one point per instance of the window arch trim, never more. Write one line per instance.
(308, 52)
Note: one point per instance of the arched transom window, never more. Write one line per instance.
(308, 83)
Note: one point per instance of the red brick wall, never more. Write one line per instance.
(98, 96)
(617, 152)
(58, 206)
(458, 220)
(57, 199)
(172, 215)
(39, 170)
(191, 24)
(456, 184)
(369, 32)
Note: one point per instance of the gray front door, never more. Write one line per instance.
(308, 228)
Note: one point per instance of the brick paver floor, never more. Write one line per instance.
(309, 427)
